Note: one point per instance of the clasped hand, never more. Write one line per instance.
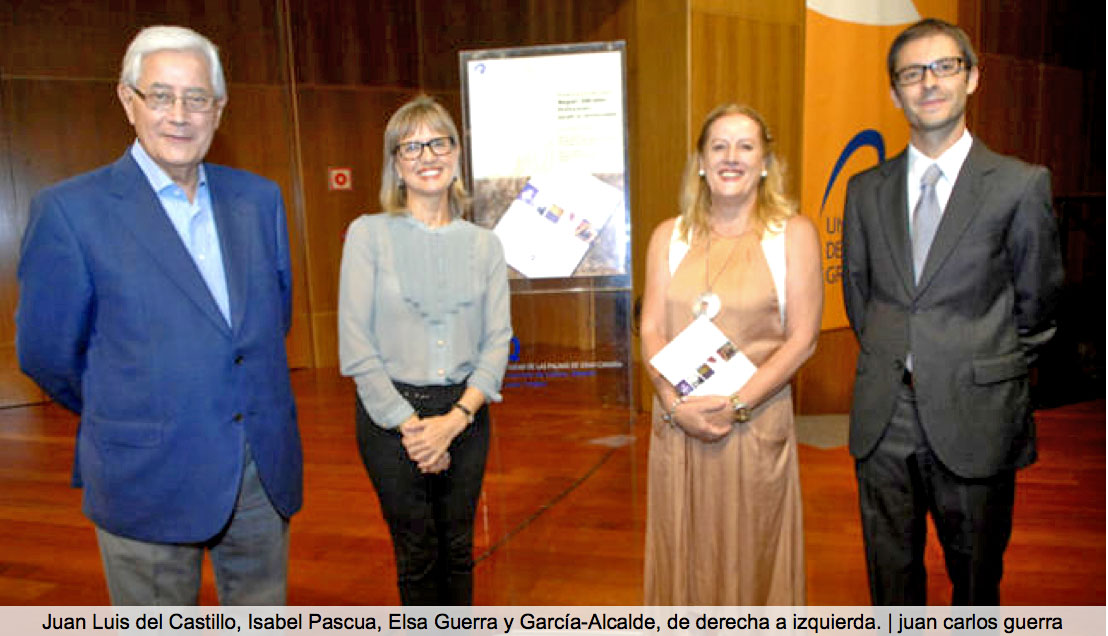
(707, 418)
(427, 439)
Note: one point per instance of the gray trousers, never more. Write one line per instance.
(249, 558)
(899, 484)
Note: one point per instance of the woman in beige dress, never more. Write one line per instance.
(724, 517)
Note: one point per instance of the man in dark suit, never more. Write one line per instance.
(155, 295)
(952, 273)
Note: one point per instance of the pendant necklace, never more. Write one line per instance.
(708, 303)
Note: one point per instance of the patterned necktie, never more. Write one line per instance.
(925, 219)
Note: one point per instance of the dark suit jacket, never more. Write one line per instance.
(116, 323)
(984, 303)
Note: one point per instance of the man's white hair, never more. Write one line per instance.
(171, 38)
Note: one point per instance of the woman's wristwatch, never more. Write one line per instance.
(465, 410)
(740, 411)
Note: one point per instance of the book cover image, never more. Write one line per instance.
(554, 221)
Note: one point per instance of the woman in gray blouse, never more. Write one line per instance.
(424, 330)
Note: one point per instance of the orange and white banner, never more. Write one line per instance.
(850, 121)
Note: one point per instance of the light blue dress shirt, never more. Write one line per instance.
(194, 222)
(422, 306)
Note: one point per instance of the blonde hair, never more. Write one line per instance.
(426, 111)
(773, 207)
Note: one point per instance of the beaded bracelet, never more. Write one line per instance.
(670, 414)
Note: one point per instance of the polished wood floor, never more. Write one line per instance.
(561, 519)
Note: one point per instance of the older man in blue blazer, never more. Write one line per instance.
(155, 295)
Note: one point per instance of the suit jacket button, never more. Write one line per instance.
(237, 417)
(238, 359)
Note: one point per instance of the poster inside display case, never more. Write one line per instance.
(546, 159)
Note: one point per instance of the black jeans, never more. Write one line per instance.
(430, 517)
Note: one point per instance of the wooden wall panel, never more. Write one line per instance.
(482, 24)
(754, 57)
(825, 383)
(1013, 28)
(659, 133)
(64, 38)
(1070, 28)
(1063, 129)
(61, 128)
(557, 321)
(15, 388)
(1009, 106)
(1044, 85)
(355, 43)
(75, 38)
(789, 12)
(659, 115)
(1095, 130)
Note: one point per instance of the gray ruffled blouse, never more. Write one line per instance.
(423, 306)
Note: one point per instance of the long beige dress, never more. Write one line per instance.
(724, 519)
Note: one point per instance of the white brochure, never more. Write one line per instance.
(702, 361)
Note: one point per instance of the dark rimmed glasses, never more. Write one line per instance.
(942, 67)
(438, 146)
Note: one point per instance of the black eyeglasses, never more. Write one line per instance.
(439, 146)
(942, 67)
(161, 100)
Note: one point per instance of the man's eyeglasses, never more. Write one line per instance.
(414, 149)
(942, 67)
(160, 100)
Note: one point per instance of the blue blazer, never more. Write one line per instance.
(116, 323)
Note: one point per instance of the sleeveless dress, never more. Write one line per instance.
(724, 519)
